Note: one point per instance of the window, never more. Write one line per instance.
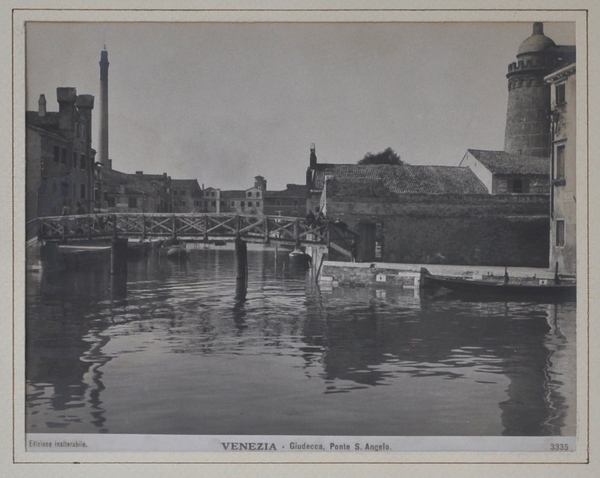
(183, 192)
(560, 94)
(295, 202)
(82, 191)
(110, 201)
(82, 162)
(560, 233)
(249, 203)
(518, 186)
(257, 194)
(174, 192)
(560, 162)
(63, 155)
(56, 153)
(249, 194)
(232, 203)
(75, 154)
(213, 203)
(222, 203)
(133, 202)
(243, 204)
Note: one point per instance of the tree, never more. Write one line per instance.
(388, 156)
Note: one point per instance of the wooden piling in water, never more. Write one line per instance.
(118, 256)
(241, 260)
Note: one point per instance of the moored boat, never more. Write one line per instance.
(552, 289)
(175, 249)
(299, 257)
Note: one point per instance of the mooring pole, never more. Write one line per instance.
(118, 256)
(241, 259)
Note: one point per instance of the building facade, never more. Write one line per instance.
(59, 156)
(563, 210)
(186, 196)
(289, 202)
(505, 173)
(434, 215)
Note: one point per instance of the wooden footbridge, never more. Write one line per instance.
(119, 228)
(209, 227)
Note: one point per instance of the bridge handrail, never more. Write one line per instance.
(204, 225)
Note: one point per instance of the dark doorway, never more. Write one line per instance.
(366, 251)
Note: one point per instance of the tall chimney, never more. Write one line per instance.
(103, 144)
(42, 105)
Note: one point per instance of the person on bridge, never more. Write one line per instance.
(80, 209)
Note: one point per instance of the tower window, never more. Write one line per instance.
(82, 162)
(560, 233)
(63, 155)
(133, 202)
(560, 94)
(56, 153)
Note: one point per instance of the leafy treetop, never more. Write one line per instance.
(388, 156)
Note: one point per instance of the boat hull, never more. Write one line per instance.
(502, 290)
(177, 253)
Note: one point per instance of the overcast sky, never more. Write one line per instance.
(225, 102)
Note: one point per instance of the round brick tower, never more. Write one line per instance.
(527, 116)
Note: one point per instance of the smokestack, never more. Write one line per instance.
(103, 144)
(42, 105)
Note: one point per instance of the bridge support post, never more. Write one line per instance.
(241, 259)
(118, 256)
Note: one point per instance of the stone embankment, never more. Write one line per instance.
(334, 274)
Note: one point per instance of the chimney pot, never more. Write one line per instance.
(42, 105)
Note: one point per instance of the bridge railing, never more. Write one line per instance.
(198, 226)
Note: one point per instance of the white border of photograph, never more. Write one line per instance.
(415, 452)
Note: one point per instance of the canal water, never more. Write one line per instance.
(172, 351)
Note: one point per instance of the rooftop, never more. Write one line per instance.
(406, 178)
(501, 162)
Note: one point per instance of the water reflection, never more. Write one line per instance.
(433, 366)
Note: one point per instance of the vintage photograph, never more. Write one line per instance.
(301, 236)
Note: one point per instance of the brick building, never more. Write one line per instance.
(59, 156)
(438, 215)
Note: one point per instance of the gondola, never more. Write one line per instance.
(530, 288)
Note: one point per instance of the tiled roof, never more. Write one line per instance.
(406, 179)
(185, 183)
(501, 162)
(292, 190)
